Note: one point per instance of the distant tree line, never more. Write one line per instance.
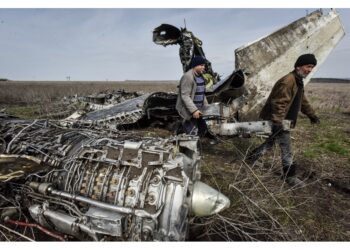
(328, 80)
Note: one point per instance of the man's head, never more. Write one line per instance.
(304, 64)
(198, 64)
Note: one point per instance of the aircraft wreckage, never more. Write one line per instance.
(83, 178)
(237, 97)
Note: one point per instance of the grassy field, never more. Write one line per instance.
(262, 207)
(28, 99)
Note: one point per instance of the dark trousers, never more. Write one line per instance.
(195, 127)
(283, 139)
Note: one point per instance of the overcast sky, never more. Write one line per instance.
(116, 44)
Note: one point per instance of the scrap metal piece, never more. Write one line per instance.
(190, 46)
(166, 34)
(127, 112)
(228, 89)
(17, 166)
(126, 106)
(245, 128)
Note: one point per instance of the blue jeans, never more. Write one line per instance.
(195, 127)
(283, 139)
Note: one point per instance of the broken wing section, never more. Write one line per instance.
(271, 57)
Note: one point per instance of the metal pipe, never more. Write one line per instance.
(45, 188)
(114, 208)
(237, 128)
(99, 204)
(19, 133)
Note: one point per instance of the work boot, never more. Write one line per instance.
(289, 171)
(290, 177)
(253, 156)
(213, 139)
(295, 181)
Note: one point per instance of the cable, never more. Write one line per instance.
(20, 132)
(44, 230)
(10, 176)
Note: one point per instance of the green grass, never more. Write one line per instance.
(329, 138)
(311, 153)
(26, 112)
(335, 147)
(330, 146)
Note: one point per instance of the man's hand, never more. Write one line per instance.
(314, 120)
(196, 114)
(276, 128)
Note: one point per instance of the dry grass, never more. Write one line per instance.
(26, 92)
(329, 96)
(28, 100)
(263, 207)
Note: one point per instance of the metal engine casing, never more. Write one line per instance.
(107, 188)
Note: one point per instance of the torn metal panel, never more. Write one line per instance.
(106, 99)
(127, 112)
(161, 106)
(227, 89)
(166, 34)
(155, 106)
(126, 106)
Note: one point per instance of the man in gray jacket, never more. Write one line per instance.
(191, 98)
